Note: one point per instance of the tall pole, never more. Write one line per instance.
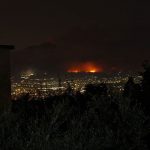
(5, 81)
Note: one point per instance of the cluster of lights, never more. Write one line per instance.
(45, 86)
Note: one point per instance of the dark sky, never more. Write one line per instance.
(111, 33)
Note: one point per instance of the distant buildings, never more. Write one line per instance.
(45, 85)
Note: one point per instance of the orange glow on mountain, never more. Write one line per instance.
(86, 67)
(92, 71)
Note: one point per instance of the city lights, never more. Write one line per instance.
(43, 86)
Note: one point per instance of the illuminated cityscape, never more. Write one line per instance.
(44, 85)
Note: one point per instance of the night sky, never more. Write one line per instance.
(56, 35)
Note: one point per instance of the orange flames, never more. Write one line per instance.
(85, 67)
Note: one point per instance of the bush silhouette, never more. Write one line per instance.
(146, 87)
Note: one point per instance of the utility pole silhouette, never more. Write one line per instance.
(5, 82)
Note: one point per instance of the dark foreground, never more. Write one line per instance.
(88, 121)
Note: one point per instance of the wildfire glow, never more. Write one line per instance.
(92, 71)
(85, 67)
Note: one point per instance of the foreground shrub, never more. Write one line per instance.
(105, 123)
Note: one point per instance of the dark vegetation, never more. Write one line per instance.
(97, 119)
